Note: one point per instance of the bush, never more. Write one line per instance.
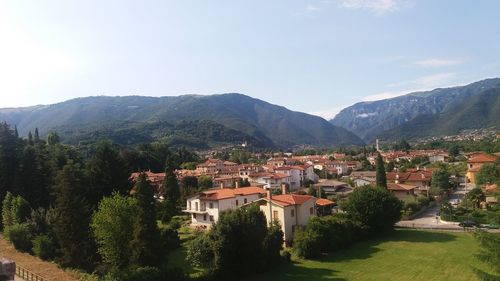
(44, 247)
(306, 243)
(273, 244)
(199, 251)
(286, 256)
(20, 236)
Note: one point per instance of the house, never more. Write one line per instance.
(401, 190)
(333, 187)
(229, 182)
(154, 179)
(441, 157)
(292, 211)
(474, 164)
(421, 179)
(269, 180)
(490, 191)
(361, 178)
(206, 206)
(295, 173)
(324, 207)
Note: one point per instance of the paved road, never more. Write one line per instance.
(428, 219)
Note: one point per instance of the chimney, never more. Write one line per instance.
(221, 185)
(237, 184)
(283, 188)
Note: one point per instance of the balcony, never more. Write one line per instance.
(201, 210)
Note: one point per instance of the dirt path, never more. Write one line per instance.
(45, 269)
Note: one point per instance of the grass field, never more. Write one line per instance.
(401, 255)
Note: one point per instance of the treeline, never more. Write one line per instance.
(79, 208)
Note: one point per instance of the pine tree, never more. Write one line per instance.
(30, 138)
(107, 173)
(146, 236)
(37, 136)
(170, 192)
(72, 225)
(32, 177)
(10, 145)
(380, 174)
(6, 210)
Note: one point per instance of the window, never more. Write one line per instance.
(311, 210)
(292, 213)
(211, 218)
(245, 201)
(236, 202)
(275, 215)
(210, 205)
(196, 206)
(204, 217)
(189, 206)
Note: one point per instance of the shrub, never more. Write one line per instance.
(306, 243)
(286, 256)
(20, 236)
(199, 251)
(273, 244)
(44, 247)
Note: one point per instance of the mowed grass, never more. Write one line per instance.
(401, 255)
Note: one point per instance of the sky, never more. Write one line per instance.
(315, 56)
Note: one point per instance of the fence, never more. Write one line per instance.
(28, 275)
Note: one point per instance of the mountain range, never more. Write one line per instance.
(191, 120)
(438, 112)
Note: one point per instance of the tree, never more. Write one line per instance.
(30, 138)
(273, 244)
(72, 225)
(381, 179)
(7, 219)
(205, 182)
(376, 208)
(476, 196)
(200, 252)
(244, 229)
(146, 236)
(488, 174)
(453, 150)
(489, 253)
(441, 180)
(112, 228)
(37, 136)
(390, 166)
(53, 138)
(107, 172)
(10, 145)
(33, 176)
(170, 192)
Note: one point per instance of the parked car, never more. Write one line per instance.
(468, 224)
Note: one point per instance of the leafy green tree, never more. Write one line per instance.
(205, 182)
(20, 210)
(453, 150)
(476, 196)
(53, 138)
(273, 244)
(33, 176)
(381, 178)
(146, 236)
(200, 251)
(376, 208)
(112, 228)
(107, 172)
(488, 174)
(170, 191)
(489, 254)
(72, 225)
(440, 180)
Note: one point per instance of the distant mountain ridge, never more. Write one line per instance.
(225, 118)
(403, 116)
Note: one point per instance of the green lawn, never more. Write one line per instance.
(404, 255)
(400, 256)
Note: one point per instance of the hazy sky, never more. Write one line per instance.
(316, 56)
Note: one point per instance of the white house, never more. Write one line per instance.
(269, 180)
(295, 173)
(206, 206)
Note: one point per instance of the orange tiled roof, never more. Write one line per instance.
(324, 202)
(225, 193)
(482, 158)
(291, 199)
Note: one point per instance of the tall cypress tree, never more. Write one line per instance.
(107, 173)
(72, 225)
(30, 138)
(170, 191)
(37, 136)
(146, 236)
(381, 176)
